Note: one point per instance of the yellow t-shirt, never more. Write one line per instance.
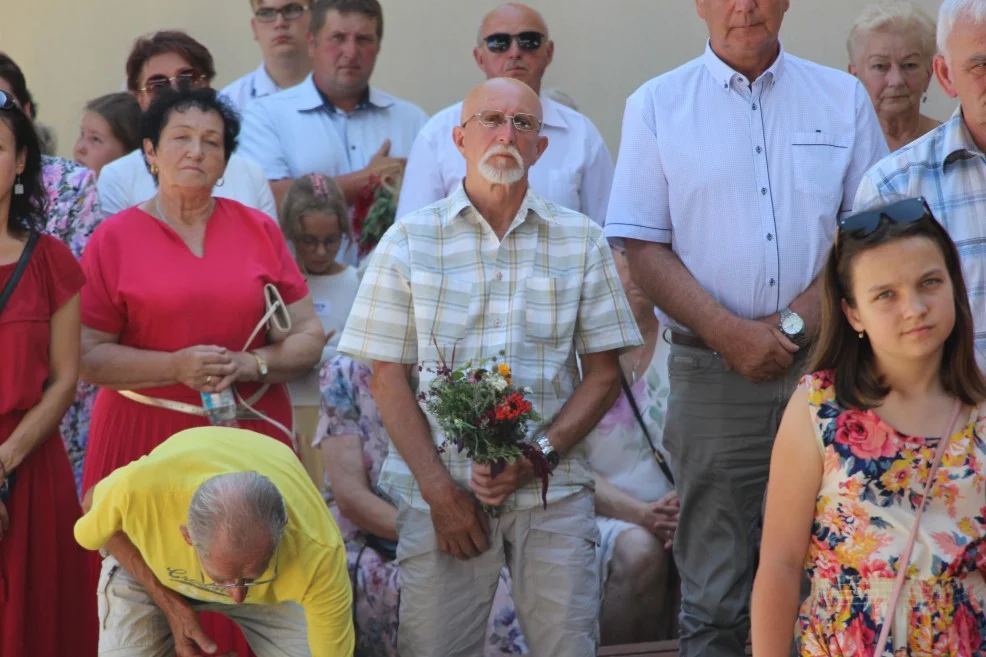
(148, 501)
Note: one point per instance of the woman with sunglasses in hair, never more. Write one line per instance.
(46, 604)
(878, 474)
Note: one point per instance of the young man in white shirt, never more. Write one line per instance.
(334, 122)
(575, 173)
(279, 27)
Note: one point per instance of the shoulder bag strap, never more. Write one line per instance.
(643, 426)
(909, 549)
(8, 289)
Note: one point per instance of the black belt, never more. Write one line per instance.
(687, 340)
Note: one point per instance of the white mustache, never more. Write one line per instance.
(500, 149)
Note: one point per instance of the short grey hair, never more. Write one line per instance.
(514, 5)
(229, 511)
(900, 16)
(950, 12)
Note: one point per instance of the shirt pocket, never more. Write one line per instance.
(441, 308)
(564, 189)
(819, 163)
(551, 308)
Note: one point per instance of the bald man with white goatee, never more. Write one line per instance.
(576, 172)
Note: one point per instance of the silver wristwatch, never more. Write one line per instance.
(793, 327)
(550, 454)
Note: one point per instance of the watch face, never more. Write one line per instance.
(792, 324)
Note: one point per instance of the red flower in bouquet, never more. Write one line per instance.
(374, 210)
(512, 407)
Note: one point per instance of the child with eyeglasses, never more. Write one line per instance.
(315, 220)
(877, 486)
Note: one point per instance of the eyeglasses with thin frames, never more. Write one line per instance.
(311, 242)
(500, 42)
(291, 12)
(223, 588)
(188, 79)
(495, 118)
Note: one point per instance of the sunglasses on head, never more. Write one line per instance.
(187, 79)
(906, 211)
(500, 42)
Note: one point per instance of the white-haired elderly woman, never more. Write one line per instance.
(891, 48)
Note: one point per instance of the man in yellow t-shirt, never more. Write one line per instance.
(225, 520)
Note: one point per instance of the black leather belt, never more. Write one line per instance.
(686, 340)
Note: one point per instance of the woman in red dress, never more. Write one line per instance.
(175, 288)
(46, 605)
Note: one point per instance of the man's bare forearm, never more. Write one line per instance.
(592, 399)
(130, 558)
(407, 426)
(659, 272)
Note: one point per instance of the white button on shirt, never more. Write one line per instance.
(576, 171)
(745, 182)
(255, 84)
(126, 182)
(295, 132)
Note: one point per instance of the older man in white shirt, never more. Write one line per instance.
(279, 27)
(157, 60)
(576, 172)
(334, 123)
(733, 170)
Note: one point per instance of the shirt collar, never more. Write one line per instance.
(725, 75)
(552, 115)
(311, 98)
(262, 84)
(957, 142)
(532, 206)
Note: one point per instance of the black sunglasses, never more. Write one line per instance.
(500, 42)
(906, 211)
(7, 101)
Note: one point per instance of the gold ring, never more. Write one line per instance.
(208, 380)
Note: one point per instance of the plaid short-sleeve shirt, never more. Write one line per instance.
(441, 277)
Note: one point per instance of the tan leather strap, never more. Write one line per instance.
(191, 409)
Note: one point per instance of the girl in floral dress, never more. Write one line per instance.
(893, 360)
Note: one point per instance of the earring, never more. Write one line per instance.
(222, 181)
(18, 186)
(925, 99)
(154, 170)
(862, 334)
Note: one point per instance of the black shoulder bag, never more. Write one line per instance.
(8, 291)
(661, 463)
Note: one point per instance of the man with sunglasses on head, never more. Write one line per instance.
(494, 269)
(279, 26)
(334, 122)
(733, 170)
(172, 58)
(947, 166)
(221, 520)
(576, 172)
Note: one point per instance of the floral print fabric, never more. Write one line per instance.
(73, 214)
(872, 482)
(348, 409)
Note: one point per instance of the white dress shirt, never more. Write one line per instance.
(253, 85)
(126, 182)
(296, 131)
(576, 171)
(745, 182)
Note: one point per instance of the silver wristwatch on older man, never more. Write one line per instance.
(793, 327)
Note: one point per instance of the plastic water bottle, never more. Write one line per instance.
(220, 408)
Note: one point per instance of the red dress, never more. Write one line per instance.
(47, 608)
(145, 285)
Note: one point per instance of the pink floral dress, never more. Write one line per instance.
(872, 481)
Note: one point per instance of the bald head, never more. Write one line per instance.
(515, 12)
(520, 60)
(504, 94)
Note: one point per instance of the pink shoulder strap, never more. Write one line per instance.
(909, 549)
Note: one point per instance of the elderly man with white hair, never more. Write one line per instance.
(891, 50)
(222, 520)
(948, 166)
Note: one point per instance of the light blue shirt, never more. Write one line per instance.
(948, 169)
(295, 132)
(744, 181)
(255, 84)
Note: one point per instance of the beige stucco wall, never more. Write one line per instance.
(75, 50)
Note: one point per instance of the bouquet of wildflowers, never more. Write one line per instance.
(484, 415)
(374, 210)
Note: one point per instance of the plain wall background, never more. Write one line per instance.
(604, 49)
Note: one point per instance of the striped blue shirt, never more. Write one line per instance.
(948, 169)
(744, 181)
